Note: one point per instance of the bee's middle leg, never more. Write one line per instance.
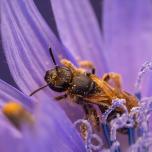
(92, 115)
(114, 78)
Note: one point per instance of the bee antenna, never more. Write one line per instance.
(35, 91)
(52, 56)
(53, 59)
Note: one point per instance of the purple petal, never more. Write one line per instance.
(52, 130)
(9, 93)
(79, 31)
(11, 138)
(128, 33)
(26, 39)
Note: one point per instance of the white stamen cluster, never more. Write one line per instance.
(138, 115)
(146, 67)
(90, 147)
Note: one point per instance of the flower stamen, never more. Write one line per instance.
(146, 67)
(17, 114)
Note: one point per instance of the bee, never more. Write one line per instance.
(86, 89)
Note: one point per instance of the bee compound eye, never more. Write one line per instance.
(58, 78)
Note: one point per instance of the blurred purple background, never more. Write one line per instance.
(45, 9)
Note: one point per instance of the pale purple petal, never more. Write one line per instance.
(79, 31)
(26, 39)
(127, 34)
(11, 138)
(9, 93)
(52, 130)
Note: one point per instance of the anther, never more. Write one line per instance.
(17, 114)
(146, 67)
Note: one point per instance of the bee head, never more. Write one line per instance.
(58, 78)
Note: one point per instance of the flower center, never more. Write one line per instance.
(17, 114)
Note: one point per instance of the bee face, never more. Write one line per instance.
(82, 85)
(58, 78)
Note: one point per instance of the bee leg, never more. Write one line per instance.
(87, 65)
(83, 128)
(96, 119)
(113, 78)
(61, 97)
(83, 131)
(68, 64)
(92, 115)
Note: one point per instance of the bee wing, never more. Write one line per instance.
(131, 100)
(107, 89)
(98, 99)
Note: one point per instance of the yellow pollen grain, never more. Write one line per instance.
(12, 108)
(16, 113)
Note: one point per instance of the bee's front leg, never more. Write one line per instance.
(61, 97)
(68, 64)
(87, 65)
